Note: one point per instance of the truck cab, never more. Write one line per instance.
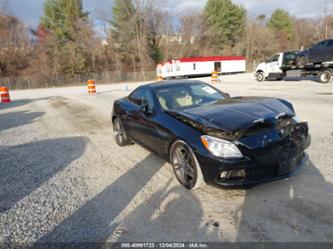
(271, 68)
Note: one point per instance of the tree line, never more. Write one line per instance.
(140, 34)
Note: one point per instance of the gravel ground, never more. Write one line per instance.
(63, 178)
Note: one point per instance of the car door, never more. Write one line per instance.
(146, 128)
(131, 110)
(274, 64)
(318, 52)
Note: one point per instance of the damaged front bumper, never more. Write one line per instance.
(275, 161)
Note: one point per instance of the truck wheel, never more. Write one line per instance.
(260, 76)
(325, 77)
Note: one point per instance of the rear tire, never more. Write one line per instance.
(325, 77)
(186, 166)
(260, 76)
(119, 133)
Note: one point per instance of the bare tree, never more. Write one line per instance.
(259, 39)
(14, 45)
(305, 32)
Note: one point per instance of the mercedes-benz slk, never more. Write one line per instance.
(210, 137)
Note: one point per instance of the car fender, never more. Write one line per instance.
(262, 67)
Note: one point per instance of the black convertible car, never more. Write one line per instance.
(320, 52)
(210, 137)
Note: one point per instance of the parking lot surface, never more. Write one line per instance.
(64, 179)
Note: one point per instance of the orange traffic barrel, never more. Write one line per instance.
(4, 95)
(215, 76)
(91, 86)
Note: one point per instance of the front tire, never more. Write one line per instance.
(186, 166)
(260, 76)
(119, 133)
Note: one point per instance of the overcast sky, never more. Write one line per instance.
(31, 10)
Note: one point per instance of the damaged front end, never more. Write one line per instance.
(272, 148)
(206, 128)
(283, 123)
(274, 154)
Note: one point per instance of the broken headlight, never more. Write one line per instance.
(221, 148)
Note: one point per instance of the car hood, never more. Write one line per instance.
(235, 114)
(261, 66)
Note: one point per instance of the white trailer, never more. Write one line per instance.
(201, 66)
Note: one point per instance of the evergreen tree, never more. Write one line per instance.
(123, 33)
(226, 23)
(281, 22)
(63, 18)
(156, 53)
(69, 36)
(122, 14)
(136, 33)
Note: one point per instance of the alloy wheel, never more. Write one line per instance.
(118, 132)
(184, 166)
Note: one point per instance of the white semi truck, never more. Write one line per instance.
(281, 64)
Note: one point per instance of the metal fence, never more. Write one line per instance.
(44, 81)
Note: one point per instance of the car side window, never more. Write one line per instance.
(275, 58)
(143, 97)
(320, 45)
(136, 97)
(330, 43)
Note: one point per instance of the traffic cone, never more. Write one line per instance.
(215, 77)
(4, 95)
(91, 86)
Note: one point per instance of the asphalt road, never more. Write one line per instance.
(63, 178)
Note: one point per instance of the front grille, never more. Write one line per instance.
(280, 169)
